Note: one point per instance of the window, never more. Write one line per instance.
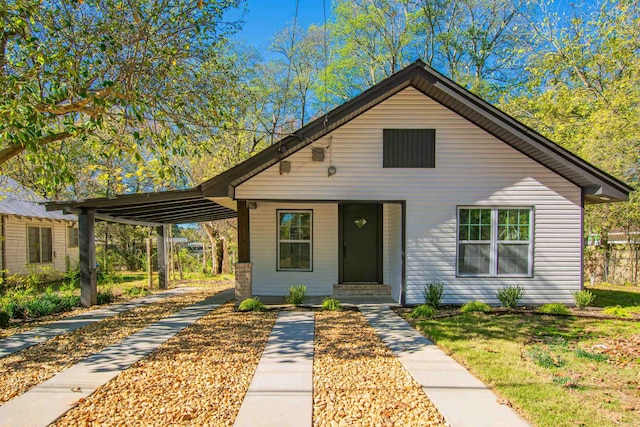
(40, 244)
(409, 148)
(495, 242)
(74, 237)
(294, 240)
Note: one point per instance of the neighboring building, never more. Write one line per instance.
(414, 181)
(33, 239)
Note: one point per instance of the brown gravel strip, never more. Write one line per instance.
(197, 378)
(23, 370)
(358, 382)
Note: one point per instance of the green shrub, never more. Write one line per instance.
(136, 291)
(509, 297)
(331, 304)
(475, 306)
(598, 357)
(39, 307)
(424, 310)
(542, 357)
(433, 294)
(554, 309)
(252, 304)
(105, 296)
(617, 311)
(296, 294)
(583, 298)
(4, 319)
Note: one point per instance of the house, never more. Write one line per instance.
(34, 240)
(414, 181)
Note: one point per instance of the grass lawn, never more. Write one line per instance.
(611, 295)
(555, 371)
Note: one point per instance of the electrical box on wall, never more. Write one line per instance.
(285, 166)
(317, 154)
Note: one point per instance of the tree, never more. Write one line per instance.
(583, 92)
(71, 68)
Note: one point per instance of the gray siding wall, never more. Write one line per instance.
(472, 168)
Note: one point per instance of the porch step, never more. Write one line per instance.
(361, 290)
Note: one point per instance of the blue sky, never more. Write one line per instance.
(265, 17)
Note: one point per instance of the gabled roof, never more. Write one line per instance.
(597, 185)
(18, 200)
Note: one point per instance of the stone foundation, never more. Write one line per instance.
(244, 286)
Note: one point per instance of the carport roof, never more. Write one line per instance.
(167, 207)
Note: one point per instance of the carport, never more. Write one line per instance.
(158, 210)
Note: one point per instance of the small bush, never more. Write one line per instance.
(509, 297)
(134, 292)
(252, 304)
(583, 298)
(433, 294)
(105, 296)
(42, 306)
(543, 358)
(296, 294)
(4, 319)
(554, 309)
(598, 357)
(475, 306)
(424, 310)
(617, 311)
(331, 304)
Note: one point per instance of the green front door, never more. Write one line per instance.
(361, 245)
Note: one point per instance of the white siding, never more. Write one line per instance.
(263, 232)
(472, 168)
(392, 248)
(16, 245)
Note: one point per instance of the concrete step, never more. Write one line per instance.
(361, 290)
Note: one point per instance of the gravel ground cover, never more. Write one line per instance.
(198, 378)
(23, 370)
(358, 382)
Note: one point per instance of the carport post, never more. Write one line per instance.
(163, 276)
(88, 273)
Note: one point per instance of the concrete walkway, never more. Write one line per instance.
(48, 401)
(34, 336)
(461, 398)
(281, 392)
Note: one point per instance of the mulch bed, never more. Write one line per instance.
(27, 368)
(199, 377)
(358, 382)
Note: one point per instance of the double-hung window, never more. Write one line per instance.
(40, 244)
(295, 240)
(495, 242)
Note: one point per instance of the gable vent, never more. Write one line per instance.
(409, 148)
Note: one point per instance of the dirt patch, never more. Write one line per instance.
(23, 370)
(197, 378)
(358, 382)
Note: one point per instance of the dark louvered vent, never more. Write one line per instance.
(409, 148)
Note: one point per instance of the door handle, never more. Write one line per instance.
(344, 249)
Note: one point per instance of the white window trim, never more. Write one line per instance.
(278, 240)
(494, 242)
